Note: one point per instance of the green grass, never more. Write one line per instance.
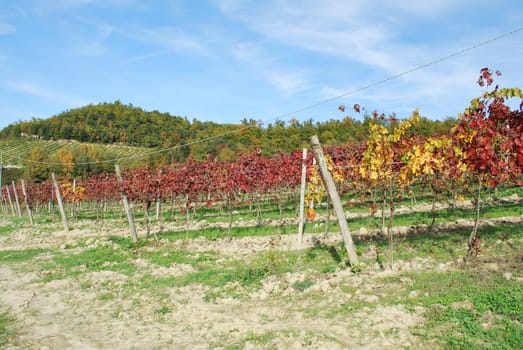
(219, 232)
(6, 331)
(254, 340)
(18, 256)
(67, 264)
(168, 257)
(216, 214)
(6, 230)
(493, 321)
(246, 272)
(302, 285)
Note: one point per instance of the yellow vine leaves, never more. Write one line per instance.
(315, 190)
(430, 158)
(379, 157)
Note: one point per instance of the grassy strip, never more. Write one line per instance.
(104, 257)
(6, 331)
(470, 309)
(18, 256)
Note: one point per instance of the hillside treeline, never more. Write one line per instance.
(110, 123)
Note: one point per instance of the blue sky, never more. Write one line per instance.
(226, 60)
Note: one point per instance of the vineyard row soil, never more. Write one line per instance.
(57, 294)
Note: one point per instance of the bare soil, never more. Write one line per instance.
(99, 310)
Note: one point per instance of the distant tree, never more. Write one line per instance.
(36, 168)
(62, 162)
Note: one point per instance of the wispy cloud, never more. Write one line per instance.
(288, 82)
(382, 38)
(367, 32)
(39, 91)
(146, 56)
(44, 7)
(326, 27)
(285, 79)
(95, 45)
(170, 38)
(6, 28)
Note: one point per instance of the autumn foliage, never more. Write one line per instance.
(484, 149)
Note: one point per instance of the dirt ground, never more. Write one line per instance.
(97, 310)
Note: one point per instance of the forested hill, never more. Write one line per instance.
(119, 123)
(105, 123)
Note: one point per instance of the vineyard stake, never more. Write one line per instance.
(27, 205)
(18, 208)
(60, 202)
(10, 200)
(125, 202)
(302, 195)
(328, 181)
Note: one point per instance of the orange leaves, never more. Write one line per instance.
(311, 214)
(71, 192)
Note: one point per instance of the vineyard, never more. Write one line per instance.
(49, 155)
(213, 258)
(484, 150)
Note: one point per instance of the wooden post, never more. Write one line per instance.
(302, 196)
(330, 186)
(26, 201)
(3, 201)
(125, 202)
(60, 203)
(17, 201)
(1, 168)
(158, 197)
(10, 200)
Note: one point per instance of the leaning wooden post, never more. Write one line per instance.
(3, 202)
(328, 181)
(302, 195)
(27, 205)
(17, 201)
(10, 200)
(60, 202)
(125, 202)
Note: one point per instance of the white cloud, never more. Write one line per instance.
(382, 37)
(368, 32)
(169, 38)
(146, 56)
(287, 82)
(6, 28)
(95, 46)
(285, 79)
(31, 89)
(39, 91)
